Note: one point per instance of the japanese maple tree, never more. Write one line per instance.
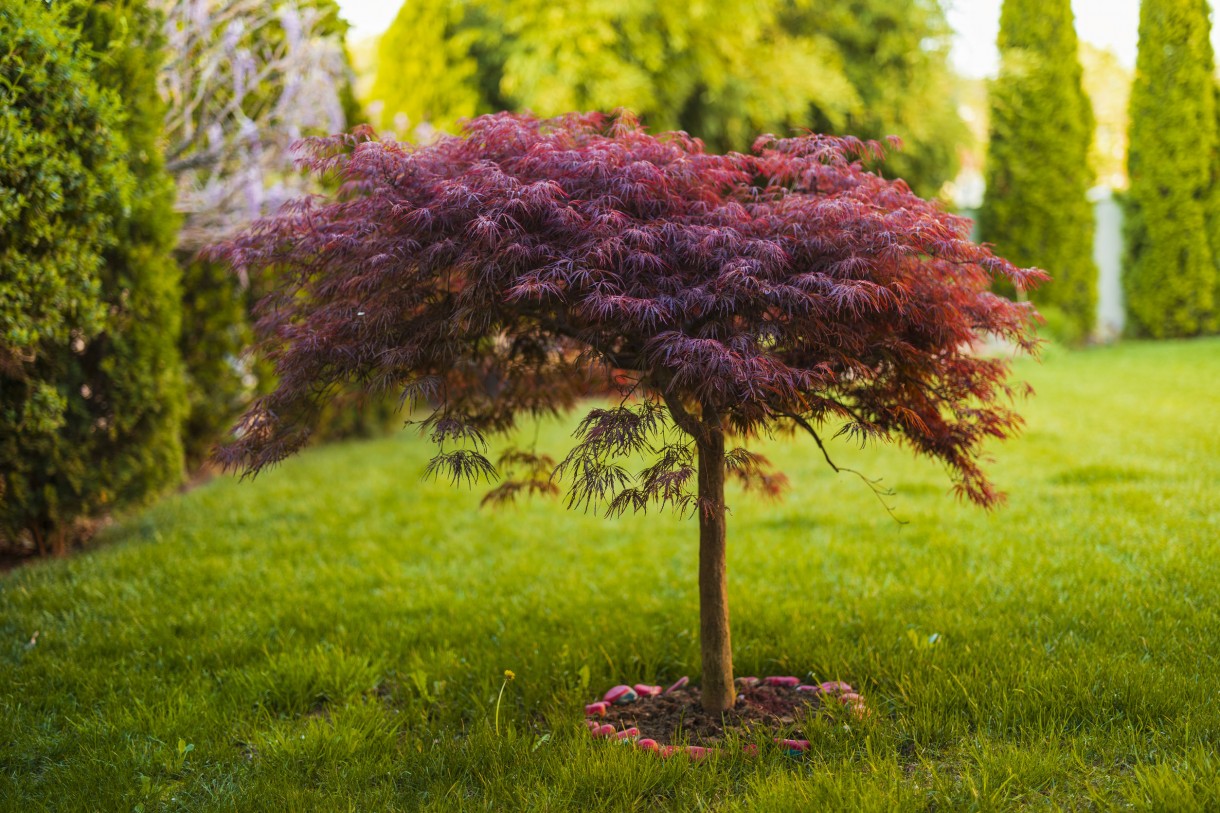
(503, 272)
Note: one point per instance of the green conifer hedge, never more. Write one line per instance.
(1036, 210)
(1170, 277)
(91, 393)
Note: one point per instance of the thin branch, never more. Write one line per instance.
(873, 485)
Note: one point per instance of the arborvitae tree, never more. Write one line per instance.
(1170, 276)
(136, 405)
(1213, 228)
(489, 276)
(65, 186)
(1036, 210)
(721, 71)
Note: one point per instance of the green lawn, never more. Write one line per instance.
(332, 636)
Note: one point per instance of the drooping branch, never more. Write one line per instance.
(874, 485)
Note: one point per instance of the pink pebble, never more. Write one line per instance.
(794, 745)
(698, 751)
(750, 750)
(628, 732)
(606, 730)
(597, 709)
(593, 725)
(668, 750)
(646, 690)
(648, 745)
(749, 682)
(806, 688)
(782, 681)
(678, 684)
(620, 695)
(849, 697)
(835, 687)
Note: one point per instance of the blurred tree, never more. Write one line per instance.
(895, 53)
(90, 384)
(721, 71)
(245, 81)
(1213, 224)
(1170, 276)
(1036, 210)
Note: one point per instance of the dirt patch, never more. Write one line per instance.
(677, 716)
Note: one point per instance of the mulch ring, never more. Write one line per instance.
(669, 720)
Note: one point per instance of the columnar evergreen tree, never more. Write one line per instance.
(719, 70)
(1213, 227)
(1036, 210)
(133, 369)
(65, 185)
(729, 296)
(1171, 276)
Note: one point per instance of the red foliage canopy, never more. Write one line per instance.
(490, 275)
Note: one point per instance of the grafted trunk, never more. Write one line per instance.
(717, 684)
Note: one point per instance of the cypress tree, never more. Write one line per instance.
(1036, 210)
(92, 412)
(64, 185)
(1170, 278)
(1213, 228)
(132, 421)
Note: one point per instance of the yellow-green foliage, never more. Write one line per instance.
(1036, 210)
(1170, 276)
(723, 71)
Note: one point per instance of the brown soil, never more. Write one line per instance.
(678, 717)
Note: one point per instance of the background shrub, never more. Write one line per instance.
(1170, 276)
(1036, 210)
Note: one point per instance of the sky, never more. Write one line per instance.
(1111, 24)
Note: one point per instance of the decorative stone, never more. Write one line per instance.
(606, 730)
(794, 746)
(807, 689)
(856, 702)
(747, 682)
(835, 687)
(678, 684)
(628, 733)
(620, 695)
(668, 750)
(699, 752)
(647, 745)
(593, 724)
(597, 709)
(646, 690)
(775, 680)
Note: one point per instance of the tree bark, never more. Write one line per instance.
(717, 685)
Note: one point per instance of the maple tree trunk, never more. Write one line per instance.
(717, 685)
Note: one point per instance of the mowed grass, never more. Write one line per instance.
(333, 635)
